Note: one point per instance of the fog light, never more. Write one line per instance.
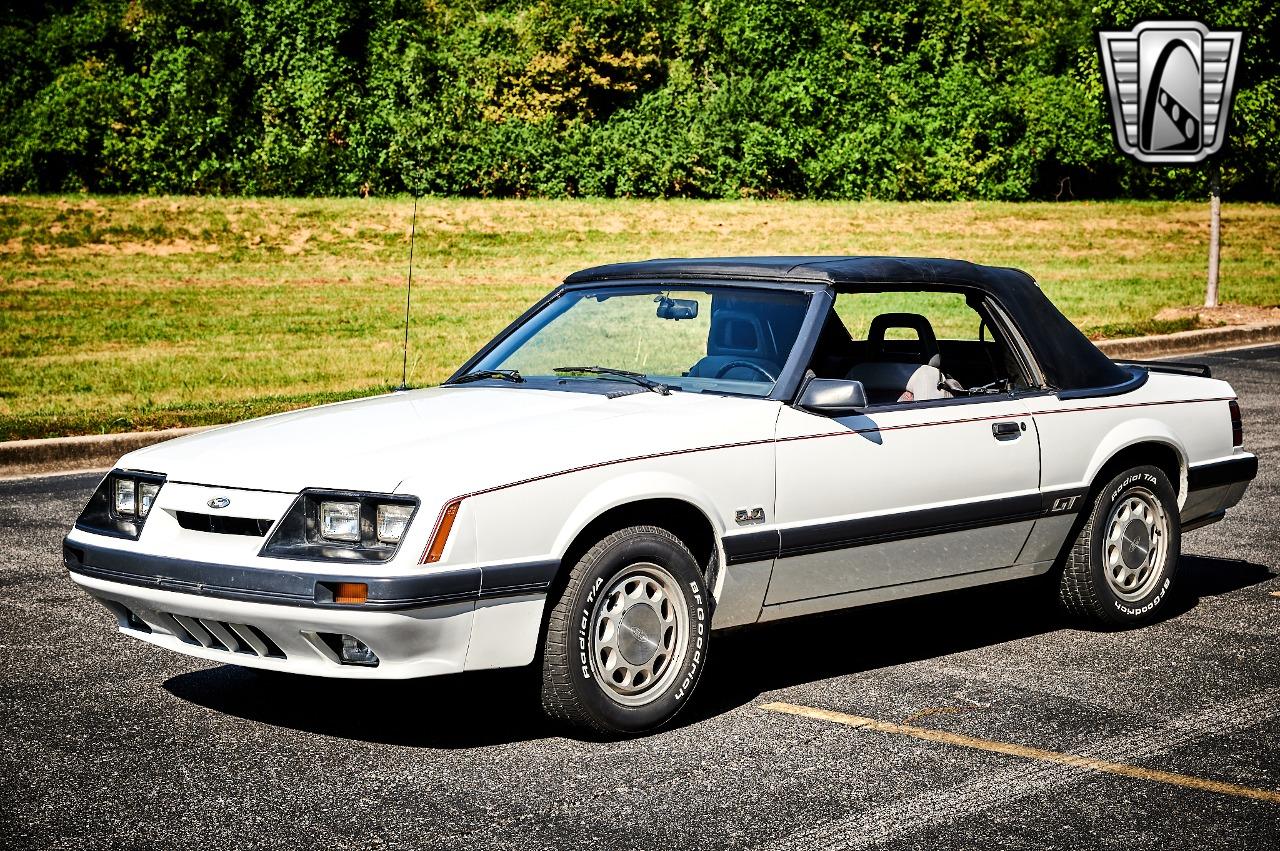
(356, 652)
(391, 522)
(340, 521)
(126, 497)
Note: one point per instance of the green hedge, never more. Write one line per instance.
(892, 99)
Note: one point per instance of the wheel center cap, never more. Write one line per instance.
(639, 634)
(1136, 544)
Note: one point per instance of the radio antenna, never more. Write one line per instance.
(408, 294)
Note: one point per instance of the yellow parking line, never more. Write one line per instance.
(1008, 749)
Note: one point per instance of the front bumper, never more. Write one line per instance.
(423, 624)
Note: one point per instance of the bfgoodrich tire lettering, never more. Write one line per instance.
(1123, 565)
(626, 639)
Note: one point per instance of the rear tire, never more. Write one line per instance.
(626, 640)
(1123, 565)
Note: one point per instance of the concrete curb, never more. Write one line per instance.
(1191, 342)
(24, 458)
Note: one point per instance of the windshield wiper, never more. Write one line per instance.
(637, 377)
(512, 375)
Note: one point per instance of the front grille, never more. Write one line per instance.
(200, 632)
(220, 525)
(220, 635)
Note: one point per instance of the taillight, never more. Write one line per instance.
(1237, 424)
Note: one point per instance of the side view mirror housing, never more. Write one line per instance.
(833, 397)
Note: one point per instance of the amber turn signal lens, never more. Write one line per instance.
(441, 536)
(350, 592)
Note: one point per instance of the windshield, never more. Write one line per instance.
(720, 340)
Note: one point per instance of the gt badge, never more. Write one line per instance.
(1169, 84)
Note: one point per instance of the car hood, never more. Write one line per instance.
(459, 439)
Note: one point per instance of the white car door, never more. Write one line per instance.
(907, 495)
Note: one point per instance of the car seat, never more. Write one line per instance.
(899, 375)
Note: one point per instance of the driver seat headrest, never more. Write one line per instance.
(930, 354)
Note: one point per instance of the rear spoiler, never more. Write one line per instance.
(1177, 367)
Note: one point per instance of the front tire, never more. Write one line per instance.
(1123, 564)
(626, 640)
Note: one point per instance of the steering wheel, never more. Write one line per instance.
(757, 367)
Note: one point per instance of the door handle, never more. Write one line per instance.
(1006, 430)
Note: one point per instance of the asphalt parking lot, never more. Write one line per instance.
(992, 724)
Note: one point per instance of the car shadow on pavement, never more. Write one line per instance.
(749, 662)
(455, 711)
(499, 707)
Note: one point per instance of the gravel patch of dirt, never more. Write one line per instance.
(1225, 314)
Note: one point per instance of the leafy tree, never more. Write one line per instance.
(655, 98)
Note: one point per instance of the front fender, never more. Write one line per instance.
(636, 487)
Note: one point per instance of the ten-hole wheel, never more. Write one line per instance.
(1121, 569)
(627, 637)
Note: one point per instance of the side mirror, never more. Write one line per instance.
(833, 397)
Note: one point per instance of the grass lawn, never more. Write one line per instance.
(137, 313)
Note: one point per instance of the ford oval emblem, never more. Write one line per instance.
(219, 502)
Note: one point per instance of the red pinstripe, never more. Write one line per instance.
(846, 433)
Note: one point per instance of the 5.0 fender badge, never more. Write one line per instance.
(1170, 84)
(219, 502)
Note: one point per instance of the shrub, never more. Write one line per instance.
(915, 99)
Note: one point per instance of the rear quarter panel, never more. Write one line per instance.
(1079, 436)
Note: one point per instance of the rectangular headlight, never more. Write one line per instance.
(147, 492)
(340, 521)
(120, 504)
(392, 520)
(126, 497)
(328, 525)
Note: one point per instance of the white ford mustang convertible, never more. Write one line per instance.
(658, 450)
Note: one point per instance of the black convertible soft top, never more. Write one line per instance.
(1069, 361)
